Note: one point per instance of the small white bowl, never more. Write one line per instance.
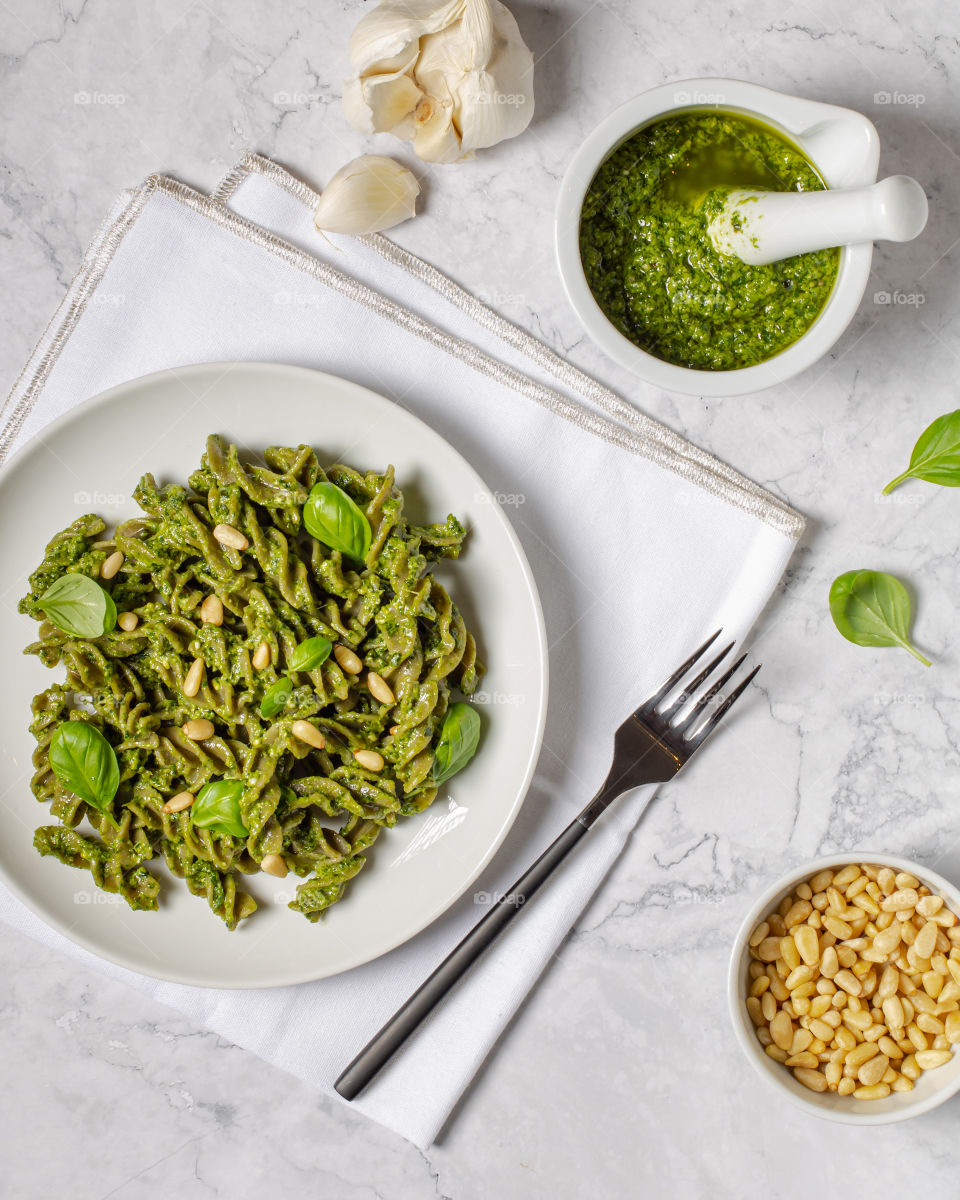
(932, 1088)
(843, 146)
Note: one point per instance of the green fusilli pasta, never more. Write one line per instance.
(239, 631)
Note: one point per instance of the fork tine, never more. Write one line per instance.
(691, 719)
(678, 674)
(714, 720)
(690, 689)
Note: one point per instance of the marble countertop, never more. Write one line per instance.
(620, 1075)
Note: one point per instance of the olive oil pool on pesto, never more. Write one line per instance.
(652, 267)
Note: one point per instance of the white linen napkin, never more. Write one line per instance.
(641, 544)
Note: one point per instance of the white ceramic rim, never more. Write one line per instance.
(772, 1072)
(196, 375)
(783, 112)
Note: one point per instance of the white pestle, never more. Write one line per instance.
(764, 227)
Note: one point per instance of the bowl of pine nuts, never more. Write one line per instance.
(844, 988)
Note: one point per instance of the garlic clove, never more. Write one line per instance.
(389, 100)
(368, 195)
(435, 138)
(385, 34)
(497, 104)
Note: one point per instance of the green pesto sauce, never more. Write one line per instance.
(650, 262)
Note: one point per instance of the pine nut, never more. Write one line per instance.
(808, 944)
(274, 864)
(893, 1011)
(845, 1087)
(228, 536)
(111, 565)
(829, 963)
(875, 1092)
(887, 880)
(199, 729)
(800, 974)
(261, 657)
(379, 688)
(789, 953)
(901, 1084)
(928, 905)
(846, 875)
(371, 760)
(873, 1070)
(776, 1053)
(925, 941)
(758, 934)
(193, 678)
(781, 1029)
(308, 733)
(803, 1059)
(952, 1027)
(903, 899)
(211, 610)
(798, 912)
(179, 802)
(849, 982)
(821, 1029)
(353, 665)
(814, 1080)
(906, 880)
(821, 881)
(128, 621)
(928, 1059)
(754, 1010)
(839, 929)
(802, 1040)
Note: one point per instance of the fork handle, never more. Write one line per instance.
(383, 1045)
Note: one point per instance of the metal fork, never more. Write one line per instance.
(649, 747)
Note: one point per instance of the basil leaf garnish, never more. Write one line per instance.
(275, 698)
(871, 608)
(334, 519)
(78, 605)
(217, 807)
(85, 763)
(459, 738)
(936, 456)
(310, 654)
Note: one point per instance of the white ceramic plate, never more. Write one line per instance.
(90, 460)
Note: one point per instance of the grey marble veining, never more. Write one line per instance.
(620, 1076)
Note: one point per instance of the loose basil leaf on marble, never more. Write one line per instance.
(459, 737)
(936, 456)
(334, 519)
(78, 605)
(85, 763)
(217, 807)
(310, 654)
(871, 608)
(275, 698)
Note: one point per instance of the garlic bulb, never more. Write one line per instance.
(452, 76)
(367, 195)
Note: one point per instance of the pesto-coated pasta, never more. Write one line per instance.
(233, 614)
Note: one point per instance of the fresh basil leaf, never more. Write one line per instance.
(871, 608)
(459, 738)
(936, 456)
(334, 519)
(275, 698)
(217, 807)
(78, 605)
(85, 763)
(310, 654)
